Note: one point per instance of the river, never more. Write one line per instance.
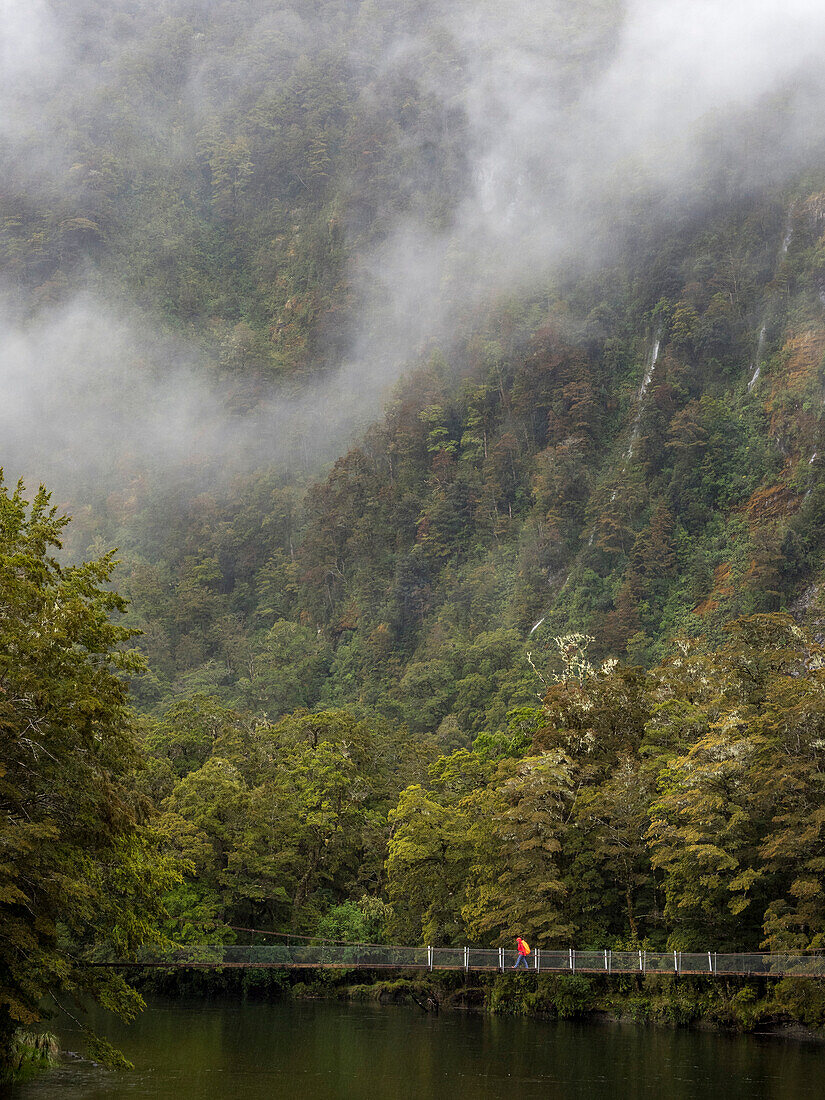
(216, 1049)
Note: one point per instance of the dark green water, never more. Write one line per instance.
(193, 1050)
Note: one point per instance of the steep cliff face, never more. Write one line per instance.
(644, 462)
(635, 452)
(608, 310)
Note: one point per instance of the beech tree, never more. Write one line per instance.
(516, 879)
(79, 874)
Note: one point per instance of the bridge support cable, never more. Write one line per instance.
(349, 956)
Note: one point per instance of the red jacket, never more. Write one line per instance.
(522, 946)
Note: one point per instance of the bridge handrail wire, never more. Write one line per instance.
(363, 943)
(281, 935)
(548, 960)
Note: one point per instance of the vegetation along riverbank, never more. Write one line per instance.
(430, 397)
(780, 1007)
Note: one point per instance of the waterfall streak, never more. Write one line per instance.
(646, 380)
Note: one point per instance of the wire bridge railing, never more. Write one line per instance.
(569, 960)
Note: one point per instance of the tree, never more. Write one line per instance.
(613, 817)
(704, 838)
(78, 869)
(750, 767)
(192, 729)
(427, 867)
(288, 670)
(515, 881)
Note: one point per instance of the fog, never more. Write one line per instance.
(569, 137)
(93, 396)
(574, 115)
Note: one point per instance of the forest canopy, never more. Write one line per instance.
(451, 385)
(80, 873)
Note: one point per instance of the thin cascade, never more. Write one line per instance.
(788, 237)
(654, 355)
(647, 378)
(652, 359)
(760, 345)
(811, 461)
(760, 349)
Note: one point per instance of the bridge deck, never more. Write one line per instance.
(370, 957)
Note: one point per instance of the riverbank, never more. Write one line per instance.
(31, 1053)
(215, 1047)
(788, 1007)
(791, 1007)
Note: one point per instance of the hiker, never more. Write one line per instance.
(523, 951)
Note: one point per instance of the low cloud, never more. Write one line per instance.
(92, 398)
(575, 116)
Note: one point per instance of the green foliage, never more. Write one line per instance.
(562, 997)
(379, 705)
(287, 671)
(30, 1053)
(284, 825)
(682, 806)
(363, 921)
(80, 877)
(801, 1000)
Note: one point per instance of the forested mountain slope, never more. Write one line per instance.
(526, 653)
(633, 456)
(635, 459)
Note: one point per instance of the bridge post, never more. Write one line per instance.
(429, 957)
(610, 961)
(675, 963)
(501, 959)
(538, 958)
(715, 970)
(572, 961)
(466, 959)
(641, 965)
(710, 964)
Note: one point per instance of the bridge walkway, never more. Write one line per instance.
(329, 956)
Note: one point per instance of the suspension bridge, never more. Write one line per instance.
(346, 956)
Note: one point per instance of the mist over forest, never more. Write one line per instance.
(431, 397)
(502, 151)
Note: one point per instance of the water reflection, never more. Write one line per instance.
(194, 1050)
